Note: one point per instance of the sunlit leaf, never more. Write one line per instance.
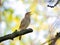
(33, 6)
(57, 42)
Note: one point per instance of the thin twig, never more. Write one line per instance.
(53, 40)
(54, 4)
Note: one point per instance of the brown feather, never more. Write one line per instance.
(25, 23)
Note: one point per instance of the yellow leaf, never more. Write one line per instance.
(17, 21)
(44, 26)
(33, 6)
(57, 42)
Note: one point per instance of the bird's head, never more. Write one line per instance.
(28, 14)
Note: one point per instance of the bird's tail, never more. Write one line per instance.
(19, 37)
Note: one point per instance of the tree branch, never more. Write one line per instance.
(54, 4)
(53, 40)
(15, 34)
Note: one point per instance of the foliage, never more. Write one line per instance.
(41, 19)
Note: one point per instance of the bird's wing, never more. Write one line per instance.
(23, 22)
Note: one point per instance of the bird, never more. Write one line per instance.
(25, 22)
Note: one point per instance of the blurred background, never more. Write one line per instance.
(45, 21)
